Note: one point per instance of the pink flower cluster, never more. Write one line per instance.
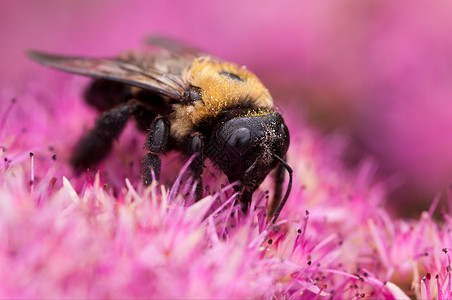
(102, 235)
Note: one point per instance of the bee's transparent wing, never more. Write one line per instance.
(175, 47)
(138, 71)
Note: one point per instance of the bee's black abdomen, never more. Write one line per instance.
(106, 94)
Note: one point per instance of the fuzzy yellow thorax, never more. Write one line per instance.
(219, 91)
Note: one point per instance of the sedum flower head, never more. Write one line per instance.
(102, 235)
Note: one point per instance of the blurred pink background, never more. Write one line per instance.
(379, 72)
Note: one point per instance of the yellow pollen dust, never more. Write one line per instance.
(258, 112)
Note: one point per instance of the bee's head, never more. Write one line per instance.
(246, 148)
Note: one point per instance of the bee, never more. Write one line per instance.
(186, 101)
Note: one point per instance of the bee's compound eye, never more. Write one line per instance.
(240, 140)
(283, 129)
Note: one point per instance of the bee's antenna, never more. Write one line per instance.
(289, 187)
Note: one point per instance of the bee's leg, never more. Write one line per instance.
(196, 165)
(156, 142)
(245, 201)
(279, 180)
(243, 197)
(96, 143)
